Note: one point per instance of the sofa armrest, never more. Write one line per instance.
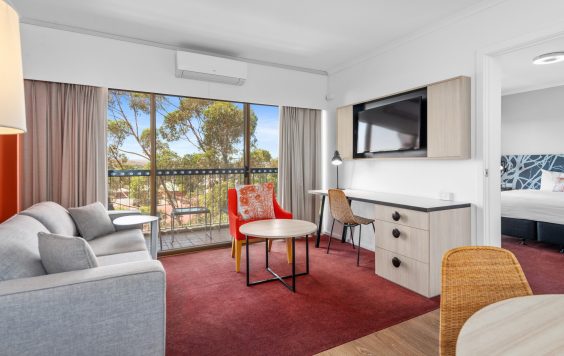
(114, 214)
(109, 310)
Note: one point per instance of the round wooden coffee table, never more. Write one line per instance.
(531, 325)
(278, 229)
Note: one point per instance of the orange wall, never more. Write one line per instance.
(9, 176)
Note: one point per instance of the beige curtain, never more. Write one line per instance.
(64, 149)
(299, 168)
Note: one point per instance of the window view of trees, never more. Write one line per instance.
(196, 141)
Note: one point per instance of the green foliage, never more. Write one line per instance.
(214, 128)
(223, 131)
(261, 158)
(186, 122)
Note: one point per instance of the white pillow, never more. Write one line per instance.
(550, 179)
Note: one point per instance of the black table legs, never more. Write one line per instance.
(307, 254)
(247, 259)
(320, 221)
(276, 276)
(320, 224)
(344, 234)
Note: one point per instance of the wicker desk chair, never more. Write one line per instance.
(341, 211)
(472, 278)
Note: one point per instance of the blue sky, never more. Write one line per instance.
(266, 132)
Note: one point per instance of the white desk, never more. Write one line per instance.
(532, 325)
(388, 199)
(411, 235)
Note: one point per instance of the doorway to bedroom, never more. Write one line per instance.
(532, 148)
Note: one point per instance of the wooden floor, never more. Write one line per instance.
(418, 336)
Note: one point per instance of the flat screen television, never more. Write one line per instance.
(392, 127)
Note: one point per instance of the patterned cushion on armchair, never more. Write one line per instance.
(255, 202)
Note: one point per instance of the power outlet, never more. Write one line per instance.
(446, 196)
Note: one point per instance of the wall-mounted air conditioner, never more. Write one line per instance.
(210, 69)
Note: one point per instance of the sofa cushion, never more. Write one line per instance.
(123, 258)
(55, 218)
(92, 220)
(118, 242)
(19, 254)
(65, 253)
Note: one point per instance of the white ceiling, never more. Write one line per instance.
(519, 74)
(313, 34)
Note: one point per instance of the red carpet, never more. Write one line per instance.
(211, 311)
(543, 264)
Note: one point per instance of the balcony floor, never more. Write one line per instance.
(192, 239)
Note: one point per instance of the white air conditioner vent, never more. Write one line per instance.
(210, 69)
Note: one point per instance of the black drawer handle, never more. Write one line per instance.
(396, 216)
(396, 233)
(396, 262)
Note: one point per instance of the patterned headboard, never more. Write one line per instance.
(524, 171)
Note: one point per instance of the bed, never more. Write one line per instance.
(535, 205)
(529, 211)
(533, 214)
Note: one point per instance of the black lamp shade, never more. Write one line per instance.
(336, 160)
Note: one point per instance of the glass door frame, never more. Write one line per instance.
(153, 139)
(153, 164)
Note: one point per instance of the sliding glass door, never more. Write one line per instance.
(176, 157)
(263, 159)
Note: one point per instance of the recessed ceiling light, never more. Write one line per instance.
(549, 58)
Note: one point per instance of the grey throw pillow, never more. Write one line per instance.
(65, 253)
(92, 220)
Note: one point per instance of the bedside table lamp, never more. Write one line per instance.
(337, 161)
(12, 102)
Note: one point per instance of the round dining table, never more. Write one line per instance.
(531, 325)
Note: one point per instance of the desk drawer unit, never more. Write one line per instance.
(412, 218)
(407, 241)
(410, 244)
(403, 270)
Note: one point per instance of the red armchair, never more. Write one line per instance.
(235, 223)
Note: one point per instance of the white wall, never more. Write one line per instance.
(447, 51)
(61, 56)
(533, 122)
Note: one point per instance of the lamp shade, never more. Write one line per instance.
(336, 160)
(12, 102)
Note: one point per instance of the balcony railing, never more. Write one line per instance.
(181, 188)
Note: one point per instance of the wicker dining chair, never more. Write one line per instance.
(472, 278)
(341, 211)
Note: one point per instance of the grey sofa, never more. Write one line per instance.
(117, 308)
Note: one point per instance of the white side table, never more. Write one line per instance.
(279, 229)
(132, 220)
